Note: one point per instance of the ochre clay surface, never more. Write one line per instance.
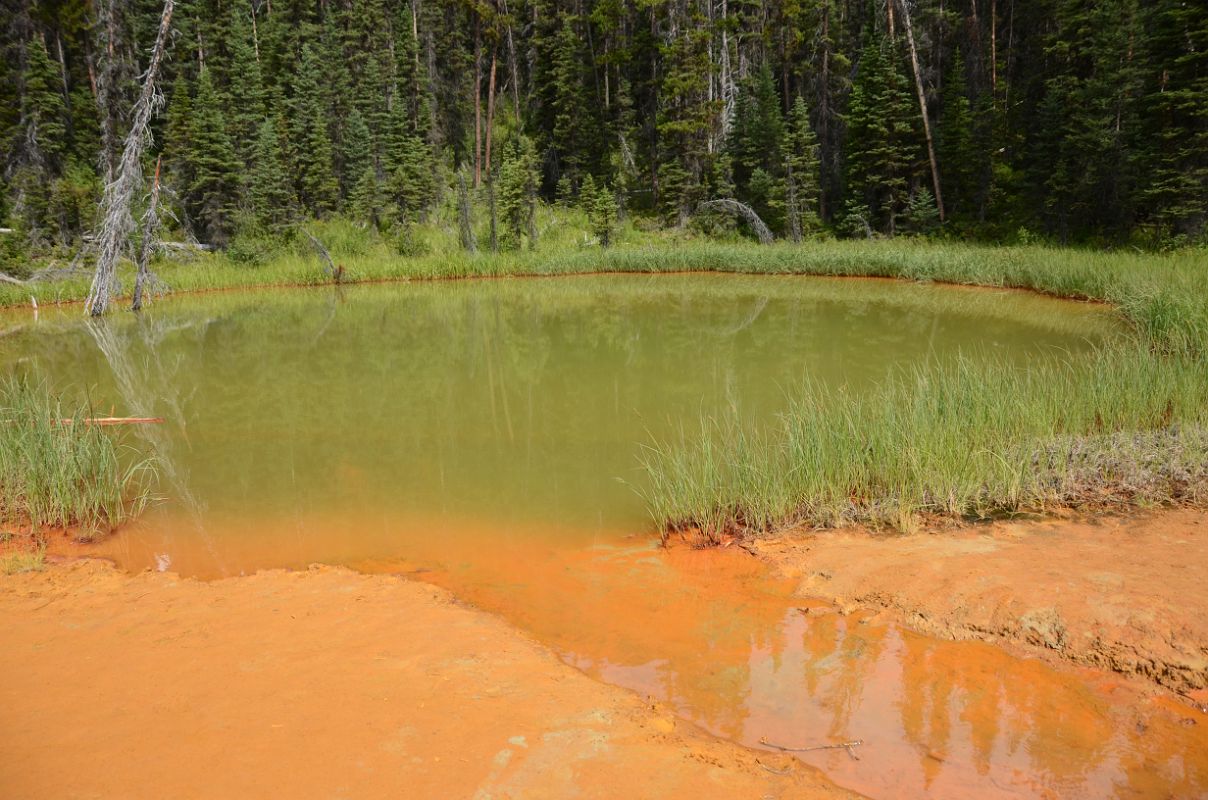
(323, 683)
(1125, 594)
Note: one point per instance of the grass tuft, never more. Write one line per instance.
(970, 441)
(16, 563)
(58, 471)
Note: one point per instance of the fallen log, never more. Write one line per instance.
(102, 422)
(162, 245)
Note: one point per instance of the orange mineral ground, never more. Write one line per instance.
(324, 683)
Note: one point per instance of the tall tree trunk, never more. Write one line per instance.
(994, 49)
(477, 102)
(107, 79)
(918, 85)
(147, 246)
(512, 61)
(117, 222)
(490, 110)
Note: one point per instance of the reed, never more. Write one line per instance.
(58, 471)
(971, 440)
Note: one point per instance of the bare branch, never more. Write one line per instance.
(743, 210)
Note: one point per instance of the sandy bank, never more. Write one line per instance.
(1125, 594)
(325, 683)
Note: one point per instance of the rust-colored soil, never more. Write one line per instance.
(325, 683)
(1126, 594)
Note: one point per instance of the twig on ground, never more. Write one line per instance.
(773, 770)
(850, 747)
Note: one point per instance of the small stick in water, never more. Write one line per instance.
(850, 747)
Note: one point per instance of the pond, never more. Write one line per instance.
(485, 435)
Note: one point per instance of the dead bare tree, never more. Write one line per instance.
(334, 271)
(465, 220)
(742, 210)
(117, 221)
(918, 86)
(147, 244)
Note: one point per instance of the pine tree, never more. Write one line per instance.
(956, 145)
(883, 144)
(758, 132)
(213, 164)
(245, 89)
(312, 156)
(356, 154)
(1177, 119)
(407, 168)
(601, 208)
(801, 172)
(43, 109)
(269, 190)
(517, 191)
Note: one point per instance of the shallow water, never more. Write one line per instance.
(484, 436)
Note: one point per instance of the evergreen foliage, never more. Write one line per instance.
(1089, 123)
(517, 192)
(801, 172)
(212, 164)
(883, 143)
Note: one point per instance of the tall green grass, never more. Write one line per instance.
(1165, 296)
(1123, 427)
(58, 471)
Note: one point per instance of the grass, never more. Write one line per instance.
(970, 440)
(55, 473)
(14, 563)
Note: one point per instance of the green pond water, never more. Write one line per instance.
(484, 435)
(504, 402)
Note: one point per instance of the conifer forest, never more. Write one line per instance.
(1067, 121)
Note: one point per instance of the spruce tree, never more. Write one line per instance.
(758, 132)
(1176, 103)
(572, 122)
(213, 164)
(269, 190)
(956, 145)
(313, 156)
(245, 90)
(516, 190)
(600, 205)
(408, 168)
(882, 142)
(801, 172)
(43, 108)
(356, 156)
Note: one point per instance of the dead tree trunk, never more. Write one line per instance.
(493, 212)
(742, 210)
(117, 221)
(477, 101)
(147, 245)
(918, 85)
(466, 222)
(335, 272)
